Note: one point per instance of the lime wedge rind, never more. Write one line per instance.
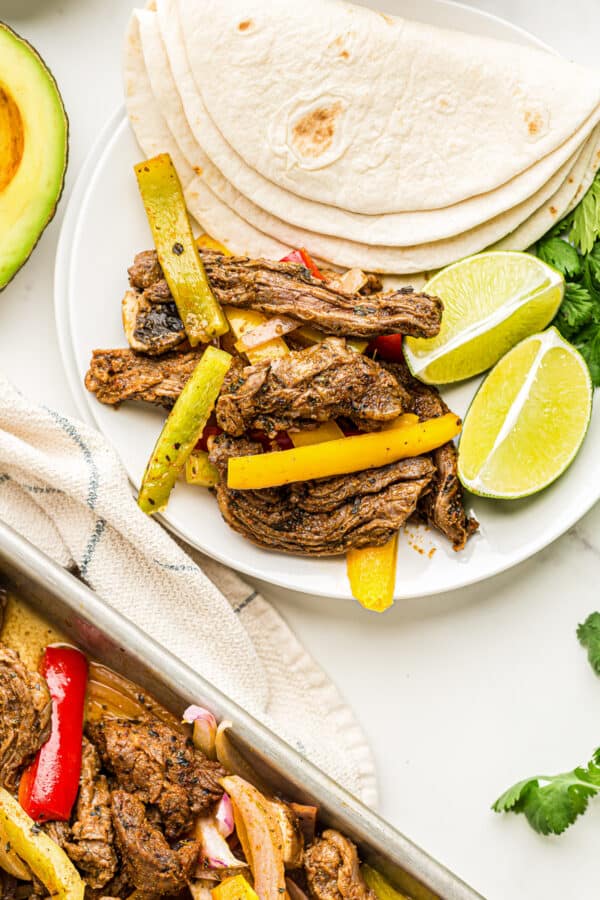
(478, 485)
(535, 292)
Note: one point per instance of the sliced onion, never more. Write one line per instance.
(268, 331)
(214, 849)
(259, 836)
(232, 760)
(110, 694)
(295, 892)
(205, 729)
(224, 816)
(200, 890)
(351, 282)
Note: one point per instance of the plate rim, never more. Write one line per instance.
(62, 308)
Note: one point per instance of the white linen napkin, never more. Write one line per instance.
(63, 487)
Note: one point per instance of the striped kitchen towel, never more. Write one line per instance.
(63, 487)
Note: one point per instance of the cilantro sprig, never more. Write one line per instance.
(551, 803)
(573, 247)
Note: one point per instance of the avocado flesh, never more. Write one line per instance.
(33, 150)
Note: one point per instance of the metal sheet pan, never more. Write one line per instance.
(108, 637)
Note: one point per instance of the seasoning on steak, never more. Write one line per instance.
(151, 864)
(443, 505)
(152, 328)
(306, 387)
(90, 845)
(288, 289)
(159, 766)
(326, 517)
(332, 869)
(118, 375)
(25, 709)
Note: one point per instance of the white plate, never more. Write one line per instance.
(105, 226)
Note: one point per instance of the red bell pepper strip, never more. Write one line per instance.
(302, 257)
(210, 430)
(387, 346)
(49, 785)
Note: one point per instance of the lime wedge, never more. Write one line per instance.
(527, 420)
(491, 302)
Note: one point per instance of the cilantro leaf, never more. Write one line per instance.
(587, 341)
(561, 227)
(589, 637)
(586, 219)
(561, 255)
(591, 268)
(577, 309)
(552, 807)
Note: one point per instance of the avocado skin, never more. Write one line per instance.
(48, 74)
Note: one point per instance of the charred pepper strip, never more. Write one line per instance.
(49, 786)
(45, 858)
(183, 429)
(349, 454)
(202, 317)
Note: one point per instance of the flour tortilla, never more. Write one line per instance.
(335, 251)
(153, 135)
(374, 114)
(401, 229)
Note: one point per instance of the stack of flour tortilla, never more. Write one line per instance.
(371, 141)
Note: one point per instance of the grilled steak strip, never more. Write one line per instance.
(283, 288)
(160, 767)
(91, 842)
(25, 709)
(118, 375)
(332, 869)
(326, 517)
(151, 864)
(443, 506)
(307, 387)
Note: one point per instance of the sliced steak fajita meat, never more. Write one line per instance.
(332, 869)
(150, 863)
(118, 375)
(443, 506)
(288, 289)
(91, 841)
(152, 328)
(309, 386)
(160, 767)
(25, 709)
(325, 517)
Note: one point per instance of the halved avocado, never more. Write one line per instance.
(33, 150)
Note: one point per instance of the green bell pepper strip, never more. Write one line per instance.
(182, 429)
(200, 312)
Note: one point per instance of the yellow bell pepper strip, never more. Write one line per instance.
(380, 885)
(401, 421)
(348, 454)
(206, 242)
(10, 861)
(45, 858)
(328, 431)
(201, 314)
(241, 321)
(372, 574)
(182, 429)
(199, 470)
(236, 888)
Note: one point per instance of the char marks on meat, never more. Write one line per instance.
(307, 387)
(118, 375)
(25, 709)
(443, 505)
(152, 328)
(326, 517)
(90, 844)
(332, 869)
(151, 864)
(160, 767)
(288, 289)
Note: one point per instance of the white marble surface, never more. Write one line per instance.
(462, 694)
